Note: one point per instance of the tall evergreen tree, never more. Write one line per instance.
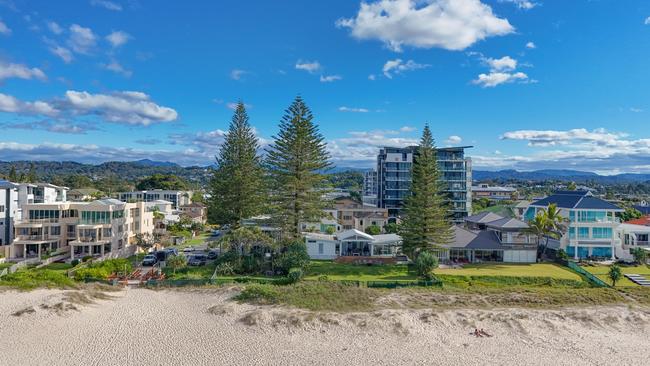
(296, 161)
(13, 176)
(425, 223)
(237, 185)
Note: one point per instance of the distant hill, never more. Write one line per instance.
(130, 171)
(562, 175)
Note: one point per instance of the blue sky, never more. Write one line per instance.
(530, 84)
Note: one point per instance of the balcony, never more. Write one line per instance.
(37, 237)
(37, 221)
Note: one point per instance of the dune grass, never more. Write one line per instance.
(31, 278)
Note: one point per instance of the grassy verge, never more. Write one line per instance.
(28, 279)
(190, 272)
(602, 273)
(333, 296)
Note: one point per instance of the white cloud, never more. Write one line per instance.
(531, 45)
(10, 104)
(309, 66)
(554, 137)
(62, 52)
(82, 39)
(597, 150)
(237, 74)
(134, 108)
(636, 110)
(448, 24)
(352, 109)
(55, 126)
(20, 71)
(647, 21)
(361, 147)
(329, 78)
(118, 38)
(453, 140)
(521, 4)
(110, 5)
(505, 63)
(54, 27)
(4, 29)
(372, 77)
(397, 66)
(497, 78)
(117, 68)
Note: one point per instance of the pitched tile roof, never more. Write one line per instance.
(576, 199)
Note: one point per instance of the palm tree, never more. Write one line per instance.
(538, 227)
(556, 224)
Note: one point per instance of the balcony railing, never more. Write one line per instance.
(39, 221)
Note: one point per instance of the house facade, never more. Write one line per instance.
(102, 228)
(591, 222)
(488, 237)
(394, 179)
(352, 243)
(177, 198)
(195, 211)
(494, 193)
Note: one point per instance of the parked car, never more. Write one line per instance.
(197, 260)
(213, 254)
(188, 249)
(216, 232)
(172, 251)
(149, 260)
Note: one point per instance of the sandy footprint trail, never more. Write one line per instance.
(203, 327)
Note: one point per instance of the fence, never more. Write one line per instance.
(590, 277)
(398, 284)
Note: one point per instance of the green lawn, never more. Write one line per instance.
(197, 240)
(5, 265)
(601, 272)
(512, 270)
(336, 271)
(58, 266)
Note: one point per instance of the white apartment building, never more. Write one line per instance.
(177, 198)
(15, 195)
(102, 228)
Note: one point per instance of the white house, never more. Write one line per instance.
(352, 243)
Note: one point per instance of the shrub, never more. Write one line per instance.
(177, 261)
(32, 278)
(225, 269)
(561, 254)
(640, 255)
(425, 264)
(86, 258)
(294, 256)
(75, 262)
(260, 294)
(294, 275)
(614, 274)
(103, 269)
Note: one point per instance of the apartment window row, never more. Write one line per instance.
(596, 233)
(591, 216)
(95, 217)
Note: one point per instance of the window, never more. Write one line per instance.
(602, 233)
(572, 233)
(583, 233)
(2, 208)
(320, 248)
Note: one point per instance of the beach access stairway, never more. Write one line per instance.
(638, 279)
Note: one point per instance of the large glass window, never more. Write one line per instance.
(601, 233)
(95, 217)
(592, 216)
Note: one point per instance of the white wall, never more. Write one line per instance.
(328, 246)
(520, 256)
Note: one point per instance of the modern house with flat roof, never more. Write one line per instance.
(591, 222)
(394, 179)
(101, 228)
(177, 198)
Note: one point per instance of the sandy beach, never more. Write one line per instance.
(204, 327)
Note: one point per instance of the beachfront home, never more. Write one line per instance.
(353, 243)
(351, 214)
(591, 223)
(633, 234)
(101, 228)
(488, 237)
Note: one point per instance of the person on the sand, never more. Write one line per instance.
(477, 333)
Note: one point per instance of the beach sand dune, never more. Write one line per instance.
(204, 327)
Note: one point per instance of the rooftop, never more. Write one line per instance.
(576, 200)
